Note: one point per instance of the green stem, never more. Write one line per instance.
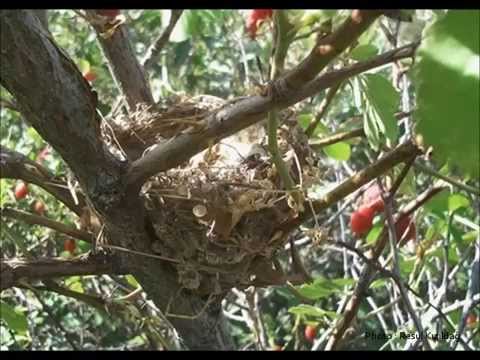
(275, 152)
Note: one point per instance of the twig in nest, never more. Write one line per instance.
(192, 317)
(119, 248)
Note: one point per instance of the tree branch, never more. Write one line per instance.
(330, 47)
(44, 221)
(123, 64)
(345, 135)
(229, 120)
(324, 106)
(14, 165)
(159, 43)
(402, 153)
(14, 270)
(64, 112)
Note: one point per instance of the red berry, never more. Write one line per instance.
(404, 224)
(255, 18)
(39, 207)
(361, 220)
(472, 321)
(90, 76)
(110, 13)
(310, 333)
(69, 245)
(21, 190)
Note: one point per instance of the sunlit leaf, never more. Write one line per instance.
(15, 319)
(447, 79)
(339, 151)
(322, 287)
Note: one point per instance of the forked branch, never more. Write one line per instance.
(14, 270)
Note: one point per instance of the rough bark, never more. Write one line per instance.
(123, 64)
(12, 271)
(64, 114)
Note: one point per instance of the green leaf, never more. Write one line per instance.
(447, 81)
(364, 52)
(304, 120)
(339, 151)
(74, 284)
(374, 233)
(84, 66)
(15, 319)
(378, 283)
(438, 204)
(371, 128)
(406, 266)
(322, 287)
(132, 281)
(309, 310)
(384, 100)
(457, 201)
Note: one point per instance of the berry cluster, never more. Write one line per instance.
(361, 220)
(255, 18)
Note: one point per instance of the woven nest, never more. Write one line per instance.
(215, 216)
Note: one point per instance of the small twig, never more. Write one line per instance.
(473, 287)
(430, 171)
(44, 221)
(161, 41)
(335, 138)
(393, 245)
(345, 135)
(4, 103)
(308, 34)
(119, 248)
(95, 301)
(324, 106)
(195, 316)
(399, 179)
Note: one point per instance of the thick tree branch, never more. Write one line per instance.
(330, 47)
(401, 154)
(14, 270)
(160, 42)
(43, 17)
(44, 221)
(123, 64)
(64, 112)
(242, 114)
(14, 165)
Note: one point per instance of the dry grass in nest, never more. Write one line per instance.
(216, 215)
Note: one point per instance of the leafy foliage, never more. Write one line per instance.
(448, 89)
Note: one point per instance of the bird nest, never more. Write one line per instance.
(215, 217)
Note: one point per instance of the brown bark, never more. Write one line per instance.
(12, 271)
(123, 64)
